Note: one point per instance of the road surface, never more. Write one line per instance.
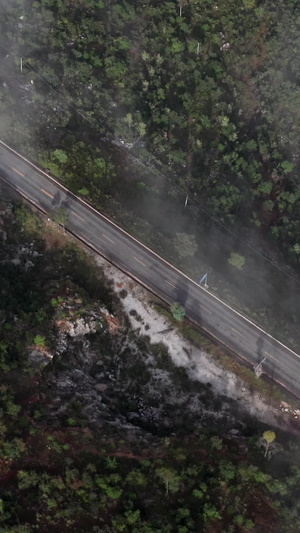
(233, 330)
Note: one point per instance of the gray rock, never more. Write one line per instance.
(28, 265)
(101, 387)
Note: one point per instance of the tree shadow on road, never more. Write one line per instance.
(259, 348)
(182, 291)
(56, 199)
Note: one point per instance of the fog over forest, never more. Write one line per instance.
(195, 122)
(214, 125)
(179, 120)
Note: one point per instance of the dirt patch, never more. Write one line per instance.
(113, 324)
(198, 364)
(53, 236)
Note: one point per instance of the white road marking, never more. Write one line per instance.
(170, 283)
(139, 261)
(108, 238)
(18, 172)
(73, 212)
(271, 356)
(245, 319)
(146, 247)
(48, 193)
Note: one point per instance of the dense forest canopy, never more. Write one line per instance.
(102, 433)
(210, 87)
(203, 94)
(208, 92)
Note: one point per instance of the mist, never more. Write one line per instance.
(66, 95)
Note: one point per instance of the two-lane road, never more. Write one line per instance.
(236, 332)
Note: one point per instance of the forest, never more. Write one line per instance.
(80, 447)
(210, 89)
(180, 120)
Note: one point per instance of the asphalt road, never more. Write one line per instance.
(226, 325)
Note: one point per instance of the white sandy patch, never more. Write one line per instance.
(199, 364)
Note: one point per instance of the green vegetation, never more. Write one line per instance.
(178, 311)
(62, 472)
(269, 437)
(205, 96)
(185, 245)
(61, 217)
(236, 260)
(39, 340)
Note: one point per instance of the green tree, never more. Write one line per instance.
(111, 463)
(39, 340)
(170, 479)
(216, 442)
(136, 478)
(185, 245)
(210, 513)
(84, 192)
(268, 437)
(27, 480)
(178, 311)
(60, 156)
(3, 353)
(201, 491)
(237, 260)
(132, 517)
